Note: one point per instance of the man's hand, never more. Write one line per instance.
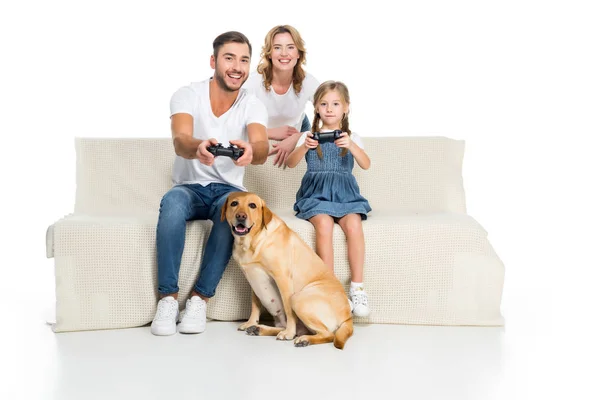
(282, 132)
(283, 149)
(344, 141)
(245, 159)
(309, 142)
(203, 155)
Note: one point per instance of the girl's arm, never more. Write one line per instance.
(296, 155)
(300, 151)
(360, 156)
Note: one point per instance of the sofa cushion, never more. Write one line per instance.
(433, 268)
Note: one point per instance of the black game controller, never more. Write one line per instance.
(327, 137)
(231, 151)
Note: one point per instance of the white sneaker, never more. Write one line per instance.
(360, 302)
(193, 318)
(165, 320)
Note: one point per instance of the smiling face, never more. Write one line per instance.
(246, 213)
(285, 54)
(231, 66)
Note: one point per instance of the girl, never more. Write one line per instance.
(284, 88)
(329, 192)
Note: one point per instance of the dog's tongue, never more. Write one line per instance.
(240, 228)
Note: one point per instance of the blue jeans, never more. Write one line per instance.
(306, 125)
(184, 203)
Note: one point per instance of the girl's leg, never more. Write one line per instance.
(323, 224)
(351, 224)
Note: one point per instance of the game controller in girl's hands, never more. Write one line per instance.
(327, 137)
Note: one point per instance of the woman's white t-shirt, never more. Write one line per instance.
(287, 108)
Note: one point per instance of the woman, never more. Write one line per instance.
(284, 88)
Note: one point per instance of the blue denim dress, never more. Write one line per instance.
(328, 187)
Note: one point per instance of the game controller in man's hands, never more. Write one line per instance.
(327, 137)
(231, 151)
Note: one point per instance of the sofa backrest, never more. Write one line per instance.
(407, 174)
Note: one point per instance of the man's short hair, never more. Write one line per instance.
(230, 37)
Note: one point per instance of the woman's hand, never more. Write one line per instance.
(283, 149)
(281, 133)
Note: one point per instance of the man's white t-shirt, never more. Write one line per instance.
(354, 137)
(195, 100)
(284, 109)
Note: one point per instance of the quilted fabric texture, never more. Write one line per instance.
(427, 261)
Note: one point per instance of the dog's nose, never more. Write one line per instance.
(240, 216)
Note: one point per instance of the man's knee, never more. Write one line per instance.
(176, 203)
(218, 207)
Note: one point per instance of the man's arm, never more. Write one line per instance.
(257, 137)
(182, 131)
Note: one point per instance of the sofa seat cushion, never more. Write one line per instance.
(419, 269)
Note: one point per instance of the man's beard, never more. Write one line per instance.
(222, 84)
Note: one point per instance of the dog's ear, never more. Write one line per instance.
(224, 209)
(267, 215)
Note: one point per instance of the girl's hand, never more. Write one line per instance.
(344, 141)
(309, 142)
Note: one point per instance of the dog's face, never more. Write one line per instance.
(246, 213)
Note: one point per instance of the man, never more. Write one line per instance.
(204, 114)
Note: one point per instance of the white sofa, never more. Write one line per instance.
(427, 261)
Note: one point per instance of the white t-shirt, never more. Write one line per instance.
(194, 100)
(354, 137)
(283, 109)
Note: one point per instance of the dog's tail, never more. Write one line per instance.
(342, 333)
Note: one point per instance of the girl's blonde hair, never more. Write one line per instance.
(322, 90)
(265, 67)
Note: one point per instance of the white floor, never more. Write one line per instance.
(538, 354)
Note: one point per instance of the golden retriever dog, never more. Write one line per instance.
(285, 275)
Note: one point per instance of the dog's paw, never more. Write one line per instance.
(301, 342)
(253, 330)
(245, 326)
(286, 335)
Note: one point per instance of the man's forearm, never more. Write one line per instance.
(260, 152)
(186, 146)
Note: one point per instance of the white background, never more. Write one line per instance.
(518, 80)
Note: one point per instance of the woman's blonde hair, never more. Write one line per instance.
(265, 67)
(321, 91)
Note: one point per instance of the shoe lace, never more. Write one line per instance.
(194, 308)
(359, 297)
(166, 309)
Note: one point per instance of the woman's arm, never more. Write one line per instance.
(281, 132)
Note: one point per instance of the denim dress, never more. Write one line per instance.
(328, 187)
